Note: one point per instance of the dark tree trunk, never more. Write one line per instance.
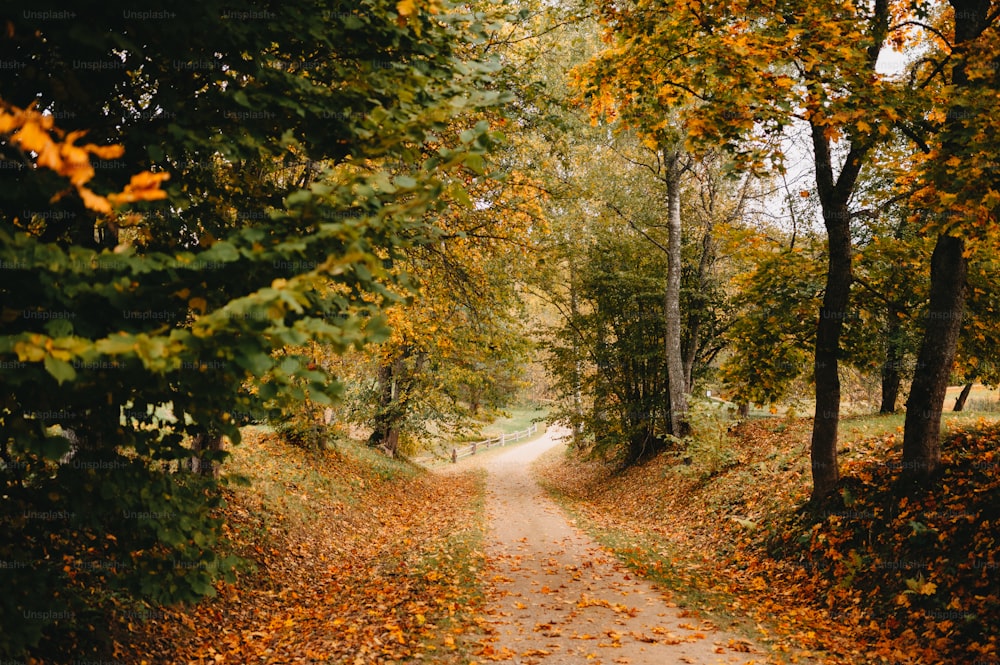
(690, 349)
(834, 193)
(964, 395)
(637, 446)
(395, 381)
(693, 333)
(922, 434)
(823, 448)
(892, 369)
(891, 380)
(202, 464)
(385, 428)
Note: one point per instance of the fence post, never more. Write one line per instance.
(454, 455)
(473, 447)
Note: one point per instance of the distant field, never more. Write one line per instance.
(519, 420)
(981, 400)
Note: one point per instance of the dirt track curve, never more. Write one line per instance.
(558, 598)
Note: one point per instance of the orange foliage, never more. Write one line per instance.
(33, 132)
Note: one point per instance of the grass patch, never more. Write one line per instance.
(859, 428)
(288, 481)
(518, 420)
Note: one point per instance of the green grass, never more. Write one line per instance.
(519, 420)
(858, 428)
(285, 479)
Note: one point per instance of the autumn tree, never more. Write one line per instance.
(607, 261)
(774, 329)
(960, 195)
(619, 327)
(717, 204)
(294, 138)
(459, 344)
(738, 74)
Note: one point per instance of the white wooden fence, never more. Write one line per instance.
(486, 444)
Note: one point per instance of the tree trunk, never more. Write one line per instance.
(922, 433)
(690, 349)
(892, 368)
(964, 395)
(677, 387)
(574, 309)
(640, 444)
(199, 463)
(823, 447)
(834, 193)
(694, 318)
(385, 428)
(891, 380)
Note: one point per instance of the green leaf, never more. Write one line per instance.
(54, 447)
(474, 162)
(60, 369)
(298, 198)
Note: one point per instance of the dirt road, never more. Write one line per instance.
(558, 598)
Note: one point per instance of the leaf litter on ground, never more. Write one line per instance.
(880, 574)
(356, 559)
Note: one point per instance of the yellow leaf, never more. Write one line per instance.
(199, 304)
(106, 151)
(143, 186)
(94, 201)
(991, 199)
(406, 7)
(32, 137)
(8, 122)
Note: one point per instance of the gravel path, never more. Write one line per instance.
(559, 598)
